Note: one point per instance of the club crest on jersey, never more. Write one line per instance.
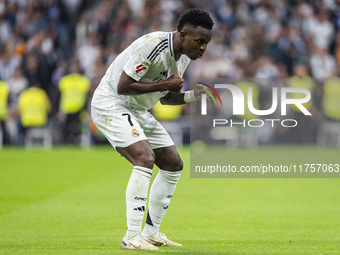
(135, 133)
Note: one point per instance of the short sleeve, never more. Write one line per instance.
(138, 64)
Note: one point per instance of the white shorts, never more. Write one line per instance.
(123, 127)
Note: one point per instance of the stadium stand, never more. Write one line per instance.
(254, 38)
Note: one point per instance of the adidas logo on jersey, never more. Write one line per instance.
(165, 73)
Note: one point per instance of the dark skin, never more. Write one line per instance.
(193, 42)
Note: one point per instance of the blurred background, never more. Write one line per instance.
(53, 54)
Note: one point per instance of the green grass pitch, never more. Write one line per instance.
(72, 201)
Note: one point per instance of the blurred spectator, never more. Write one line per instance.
(301, 79)
(36, 69)
(330, 100)
(337, 50)
(36, 65)
(266, 68)
(88, 53)
(322, 64)
(322, 31)
(59, 21)
(17, 84)
(5, 29)
(59, 72)
(34, 107)
(74, 88)
(9, 61)
(84, 28)
(4, 96)
(103, 17)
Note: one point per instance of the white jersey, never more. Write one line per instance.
(148, 59)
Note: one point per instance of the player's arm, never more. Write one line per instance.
(173, 99)
(129, 86)
(182, 98)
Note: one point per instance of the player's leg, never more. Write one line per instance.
(163, 187)
(170, 169)
(168, 158)
(139, 154)
(122, 130)
(142, 157)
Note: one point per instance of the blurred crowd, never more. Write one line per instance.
(49, 45)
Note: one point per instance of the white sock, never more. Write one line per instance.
(136, 197)
(161, 192)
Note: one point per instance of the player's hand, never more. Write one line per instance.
(175, 83)
(198, 91)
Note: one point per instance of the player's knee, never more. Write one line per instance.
(176, 164)
(180, 165)
(146, 159)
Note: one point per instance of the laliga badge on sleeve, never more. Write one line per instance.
(135, 133)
